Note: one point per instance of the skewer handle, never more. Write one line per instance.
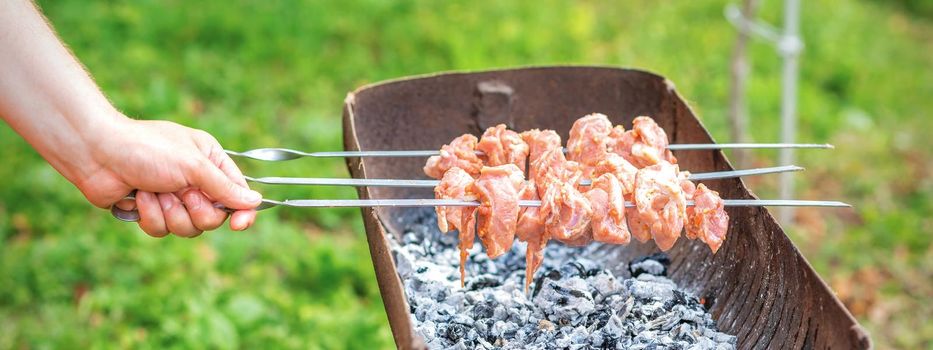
(133, 215)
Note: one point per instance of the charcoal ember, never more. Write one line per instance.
(427, 330)
(483, 309)
(580, 268)
(454, 331)
(599, 318)
(482, 282)
(613, 329)
(651, 287)
(410, 238)
(605, 284)
(704, 343)
(550, 275)
(572, 338)
(437, 343)
(503, 329)
(546, 326)
(718, 337)
(404, 263)
(655, 264)
(574, 302)
(484, 328)
(484, 344)
(568, 300)
(471, 335)
(455, 299)
(518, 314)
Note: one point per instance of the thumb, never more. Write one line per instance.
(212, 181)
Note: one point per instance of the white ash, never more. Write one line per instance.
(574, 302)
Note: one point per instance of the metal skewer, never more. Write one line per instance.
(434, 183)
(133, 215)
(407, 203)
(280, 154)
(702, 146)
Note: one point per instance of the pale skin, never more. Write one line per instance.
(48, 98)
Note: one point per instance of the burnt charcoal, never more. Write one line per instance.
(650, 287)
(605, 285)
(483, 309)
(484, 328)
(483, 282)
(574, 303)
(566, 300)
(654, 264)
(508, 330)
(552, 275)
(427, 330)
(584, 268)
(455, 331)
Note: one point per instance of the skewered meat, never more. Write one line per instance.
(503, 146)
(498, 188)
(614, 143)
(467, 235)
(638, 228)
(569, 210)
(582, 239)
(644, 145)
(707, 218)
(661, 203)
(539, 142)
(623, 170)
(530, 229)
(608, 204)
(459, 153)
(550, 165)
(531, 219)
(587, 143)
(453, 185)
(686, 185)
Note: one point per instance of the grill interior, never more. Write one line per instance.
(761, 288)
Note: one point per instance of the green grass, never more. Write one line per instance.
(274, 73)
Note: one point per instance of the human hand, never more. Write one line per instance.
(51, 101)
(178, 173)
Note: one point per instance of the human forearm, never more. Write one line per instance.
(48, 97)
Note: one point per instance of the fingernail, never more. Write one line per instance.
(236, 223)
(165, 202)
(251, 196)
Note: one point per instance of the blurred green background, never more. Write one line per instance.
(274, 73)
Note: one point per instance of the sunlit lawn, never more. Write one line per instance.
(265, 74)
